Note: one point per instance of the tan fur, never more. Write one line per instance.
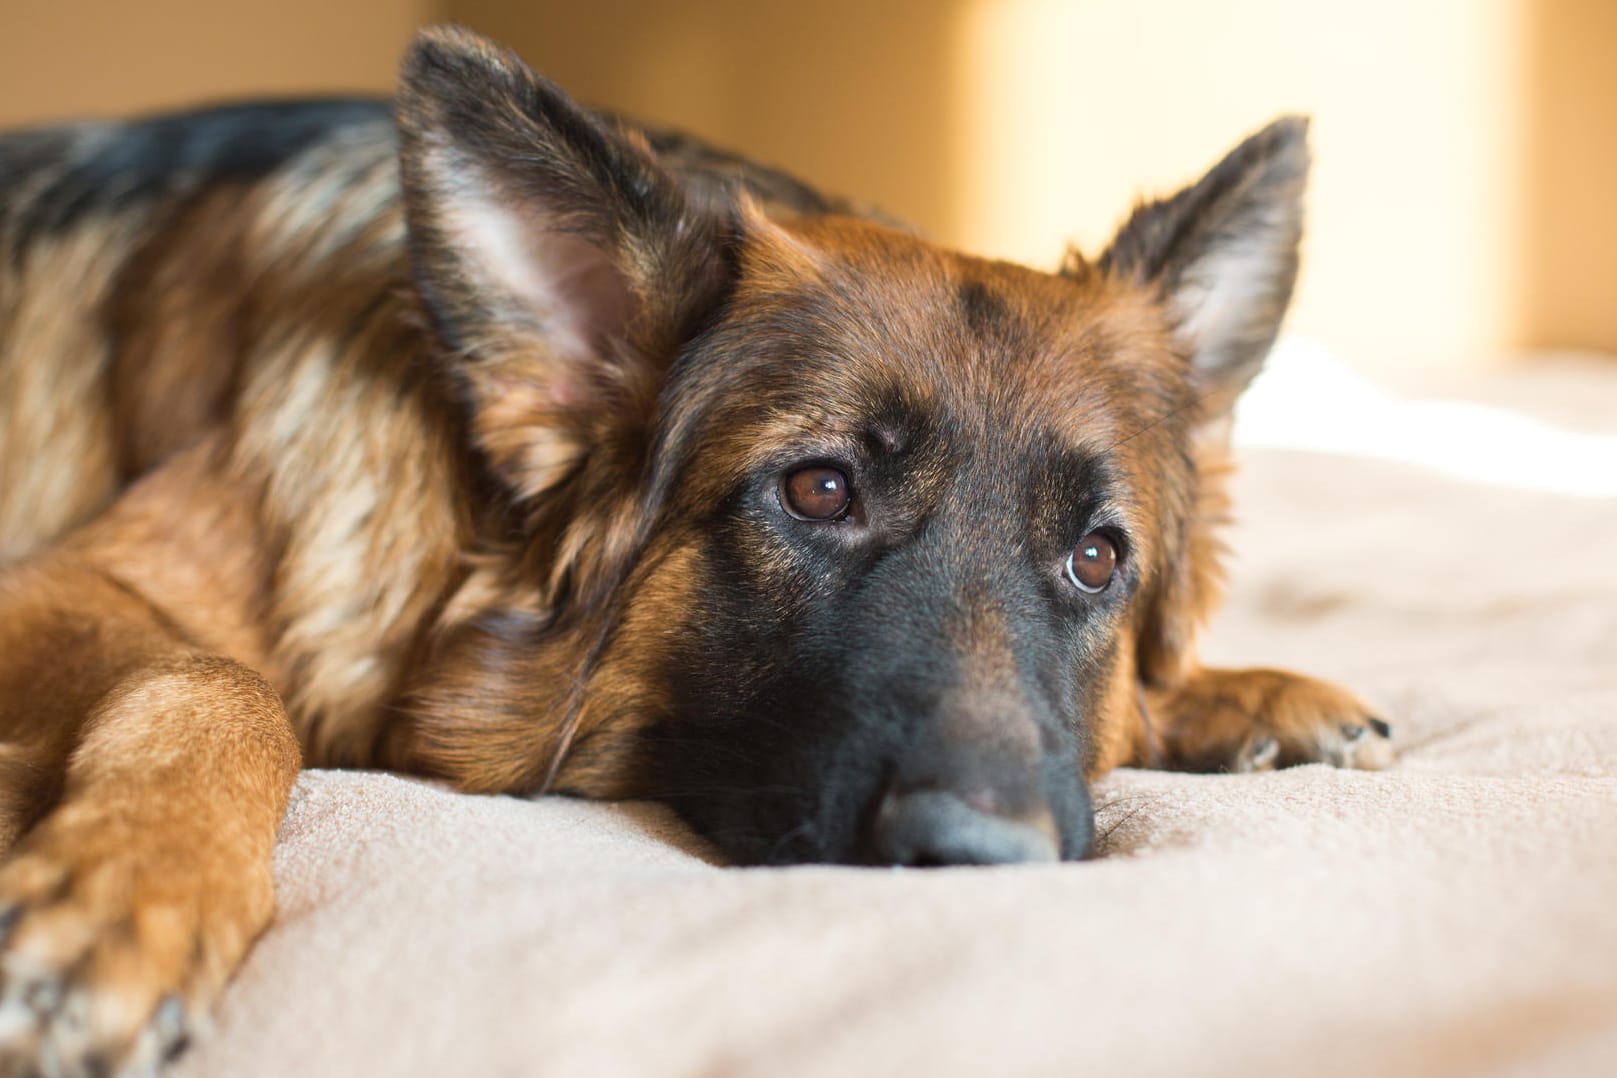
(55, 410)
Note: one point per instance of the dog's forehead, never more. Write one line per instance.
(853, 325)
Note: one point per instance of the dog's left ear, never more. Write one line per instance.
(562, 265)
(1223, 254)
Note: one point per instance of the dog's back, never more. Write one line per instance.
(142, 263)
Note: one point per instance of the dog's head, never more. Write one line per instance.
(856, 549)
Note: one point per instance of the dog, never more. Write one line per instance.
(482, 437)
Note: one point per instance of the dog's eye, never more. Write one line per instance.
(815, 493)
(1092, 562)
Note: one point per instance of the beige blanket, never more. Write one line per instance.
(1455, 915)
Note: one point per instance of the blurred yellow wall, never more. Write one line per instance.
(1413, 235)
(1463, 206)
(61, 58)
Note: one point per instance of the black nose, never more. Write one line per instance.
(933, 827)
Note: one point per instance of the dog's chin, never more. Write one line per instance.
(938, 833)
(747, 834)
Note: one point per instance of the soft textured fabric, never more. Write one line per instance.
(1454, 915)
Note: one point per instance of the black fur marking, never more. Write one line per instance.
(713, 174)
(986, 314)
(147, 158)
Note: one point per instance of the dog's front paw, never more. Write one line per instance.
(1256, 720)
(112, 946)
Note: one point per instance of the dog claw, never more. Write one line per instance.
(43, 997)
(45, 1030)
(1352, 731)
(160, 1041)
(9, 917)
(1263, 754)
(1381, 727)
(170, 1027)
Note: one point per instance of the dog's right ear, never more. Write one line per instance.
(562, 265)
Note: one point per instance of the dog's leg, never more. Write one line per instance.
(1254, 720)
(148, 778)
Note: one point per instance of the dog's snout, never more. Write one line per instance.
(936, 827)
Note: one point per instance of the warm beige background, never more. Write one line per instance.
(1463, 208)
(77, 57)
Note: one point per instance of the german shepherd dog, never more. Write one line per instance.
(485, 438)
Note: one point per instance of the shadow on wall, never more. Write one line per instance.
(73, 58)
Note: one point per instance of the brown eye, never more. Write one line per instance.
(815, 493)
(1092, 562)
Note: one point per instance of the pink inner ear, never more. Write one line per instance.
(559, 286)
